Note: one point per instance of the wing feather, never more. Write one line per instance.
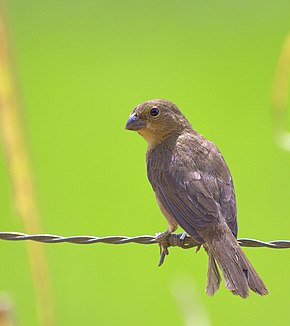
(196, 188)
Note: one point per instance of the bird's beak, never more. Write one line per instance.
(135, 123)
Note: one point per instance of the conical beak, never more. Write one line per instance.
(135, 123)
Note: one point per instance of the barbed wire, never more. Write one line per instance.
(172, 240)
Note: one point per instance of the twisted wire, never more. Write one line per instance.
(179, 240)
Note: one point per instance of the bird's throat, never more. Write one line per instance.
(150, 136)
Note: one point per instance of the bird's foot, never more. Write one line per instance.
(162, 239)
(184, 245)
(183, 236)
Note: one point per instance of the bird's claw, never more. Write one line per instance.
(183, 236)
(161, 238)
(197, 248)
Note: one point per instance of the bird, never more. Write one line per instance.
(194, 190)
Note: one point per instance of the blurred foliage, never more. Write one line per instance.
(22, 190)
(280, 97)
(81, 68)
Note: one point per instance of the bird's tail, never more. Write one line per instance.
(238, 272)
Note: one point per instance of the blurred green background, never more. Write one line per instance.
(81, 67)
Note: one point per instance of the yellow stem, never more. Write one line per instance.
(21, 180)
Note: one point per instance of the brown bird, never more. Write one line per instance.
(194, 189)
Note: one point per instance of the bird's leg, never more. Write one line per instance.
(161, 238)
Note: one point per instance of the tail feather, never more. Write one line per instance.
(213, 276)
(238, 272)
(255, 282)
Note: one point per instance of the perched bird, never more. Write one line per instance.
(194, 189)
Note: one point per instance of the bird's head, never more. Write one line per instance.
(157, 120)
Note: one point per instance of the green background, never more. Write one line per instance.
(81, 67)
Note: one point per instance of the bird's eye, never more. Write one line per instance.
(154, 112)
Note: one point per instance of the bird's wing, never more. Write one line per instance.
(196, 189)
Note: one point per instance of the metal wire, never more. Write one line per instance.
(179, 240)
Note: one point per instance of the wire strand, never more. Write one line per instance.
(173, 239)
